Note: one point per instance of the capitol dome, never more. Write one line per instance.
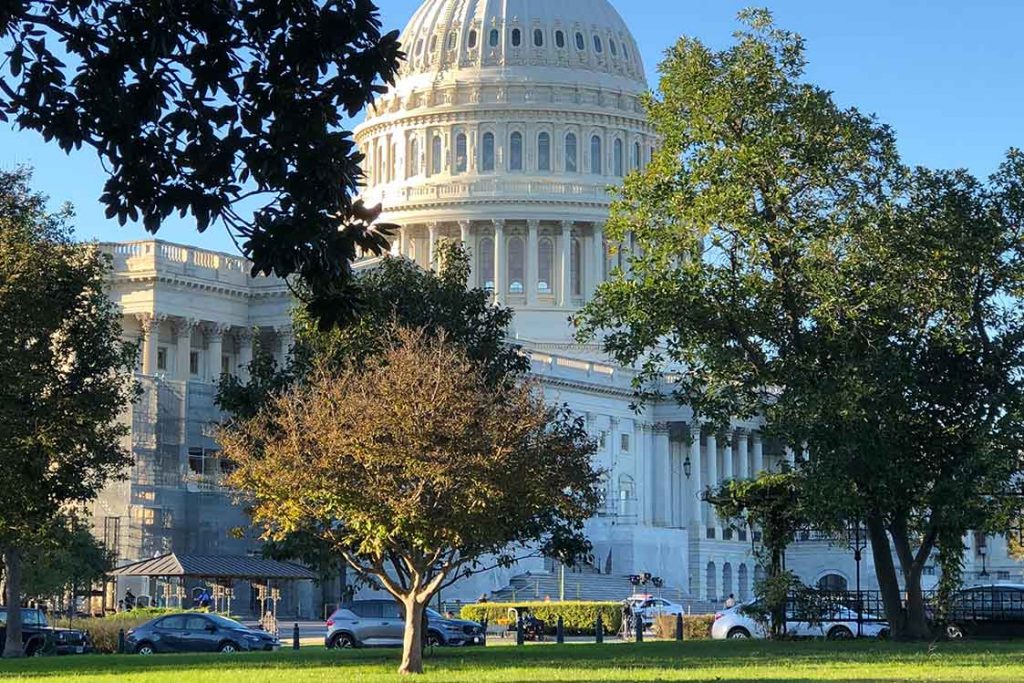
(509, 126)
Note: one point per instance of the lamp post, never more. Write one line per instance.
(983, 551)
(859, 544)
(687, 467)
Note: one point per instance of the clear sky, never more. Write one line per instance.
(948, 75)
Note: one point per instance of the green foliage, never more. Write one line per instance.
(578, 618)
(799, 272)
(104, 631)
(695, 626)
(62, 555)
(234, 112)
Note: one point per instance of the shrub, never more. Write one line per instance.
(104, 630)
(578, 618)
(695, 626)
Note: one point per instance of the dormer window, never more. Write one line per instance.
(433, 43)
(614, 49)
(453, 40)
(598, 46)
(419, 47)
(472, 39)
(538, 38)
(493, 40)
(517, 37)
(581, 44)
(560, 39)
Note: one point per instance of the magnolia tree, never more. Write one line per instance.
(417, 470)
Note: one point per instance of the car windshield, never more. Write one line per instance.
(434, 614)
(224, 622)
(29, 617)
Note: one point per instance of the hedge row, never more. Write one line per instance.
(695, 626)
(578, 618)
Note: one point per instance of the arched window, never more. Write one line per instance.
(517, 37)
(472, 39)
(486, 262)
(571, 165)
(613, 48)
(637, 161)
(433, 43)
(515, 152)
(560, 39)
(435, 155)
(576, 269)
(711, 582)
(419, 47)
(494, 37)
(727, 580)
(544, 152)
(596, 167)
(598, 45)
(833, 582)
(625, 51)
(461, 153)
(545, 265)
(581, 44)
(393, 169)
(538, 37)
(516, 266)
(453, 40)
(619, 170)
(487, 152)
(743, 579)
(413, 162)
(378, 166)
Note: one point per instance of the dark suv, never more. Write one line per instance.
(40, 638)
(987, 611)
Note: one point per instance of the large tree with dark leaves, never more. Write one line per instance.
(231, 111)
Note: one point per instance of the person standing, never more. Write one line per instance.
(730, 602)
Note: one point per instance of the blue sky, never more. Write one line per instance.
(948, 75)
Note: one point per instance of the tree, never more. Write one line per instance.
(228, 111)
(789, 266)
(65, 377)
(418, 470)
(63, 557)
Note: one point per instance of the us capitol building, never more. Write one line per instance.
(509, 124)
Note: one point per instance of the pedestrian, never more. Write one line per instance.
(627, 620)
(483, 599)
(129, 600)
(730, 602)
(205, 600)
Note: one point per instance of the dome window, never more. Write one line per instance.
(596, 167)
(545, 265)
(598, 45)
(515, 152)
(493, 40)
(576, 268)
(487, 152)
(435, 155)
(571, 165)
(538, 37)
(543, 152)
(472, 39)
(453, 40)
(637, 162)
(613, 48)
(581, 44)
(433, 43)
(516, 266)
(625, 51)
(618, 159)
(414, 159)
(560, 39)
(487, 263)
(419, 47)
(461, 152)
(517, 37)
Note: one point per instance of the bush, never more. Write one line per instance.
(578, 618)
(104, 630)
(695, 626)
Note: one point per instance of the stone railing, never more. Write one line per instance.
(173, 259)
(575, 368)
(485, 188)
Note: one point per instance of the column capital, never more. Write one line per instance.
(533, 224)
(755, 436)
(499, 224)
(567, 226)
(661, 427)
(695, 429)
(184, 326)
(215, 331)
(433, 226)
(147, 321)
(244, 335)
(465, 224)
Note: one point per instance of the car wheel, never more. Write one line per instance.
(884, 634)
(228, 648)
(434, 639)
(342, 641)
(145, 649)
(840, 633)
(34, 649)
(954, 632)
(738, 633)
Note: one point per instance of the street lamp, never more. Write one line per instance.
(859, 544)
(983, 551)
(687, 467)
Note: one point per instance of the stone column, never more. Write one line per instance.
(712, 455)
(432, 249)
(742, 438)
(643, 445)
(565, 295)
(465, 235)
(183, 341)
(244, 337)
(597, 260)
(499, 262)
(403, 247)
(149, 324)
(214, 350)
(287, 339)
(758, 454)
(532, 268)
(696, 481)
(662, 455)
(790, 456)
(727, 470)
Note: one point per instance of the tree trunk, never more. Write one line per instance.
(888, 583)
(13, 647)
(412, 645)
(915, 626)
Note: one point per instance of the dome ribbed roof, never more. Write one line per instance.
(586, 39)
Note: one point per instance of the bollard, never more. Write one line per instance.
(679, 627)
(639, 627)
(120, 642)
(483, 627)
(559, 631)
(520, 638)
(295, 637)
(599, 630)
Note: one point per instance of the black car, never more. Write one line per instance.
(39, 638)
(197, 632)
(995, 611)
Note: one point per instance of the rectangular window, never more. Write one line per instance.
(193, 363)
(225, 365)
(710, 533)
(602, 440)
(195, 460)
(727, 534)
(161, 358)
(624, 443)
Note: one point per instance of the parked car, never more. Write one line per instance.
(381, 623)
(994, 611)
(840, 624)
(651, 607)
(194, 632)
(39, 638)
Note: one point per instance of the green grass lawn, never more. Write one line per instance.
(663, 661)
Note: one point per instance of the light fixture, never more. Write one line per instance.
(687, 467)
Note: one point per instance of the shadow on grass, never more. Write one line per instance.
(664, 656)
